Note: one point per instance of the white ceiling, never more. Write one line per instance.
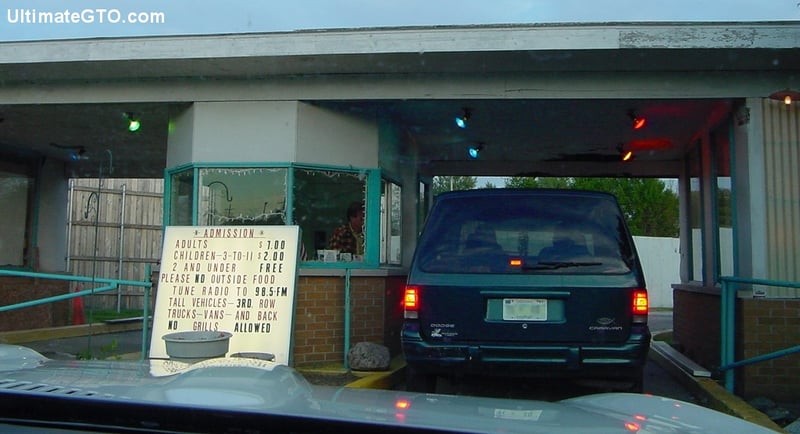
(545, 99)
(517, 136)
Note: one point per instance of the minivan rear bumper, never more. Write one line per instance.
(623, 360)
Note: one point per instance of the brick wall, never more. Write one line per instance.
(21, 289)
(762, 326)
(765, 326)
(320, 317)
(696, 326)
(375, 312)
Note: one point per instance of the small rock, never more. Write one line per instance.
(793, 428)
(761, 403)
(778, 414)
(367, 356)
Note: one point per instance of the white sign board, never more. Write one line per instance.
(237, 279)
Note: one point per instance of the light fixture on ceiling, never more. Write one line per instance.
(463, 117)
(786, 95)
(637, 122)
(624, 154)
(627, 155)
(78, 154)
(133, 122)
(474, 151)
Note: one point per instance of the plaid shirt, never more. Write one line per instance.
(346, 240)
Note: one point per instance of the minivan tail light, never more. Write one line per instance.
(411, 302)
(640, 306)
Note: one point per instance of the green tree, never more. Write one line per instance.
(451, 183)
(650, 208)
(523, 182)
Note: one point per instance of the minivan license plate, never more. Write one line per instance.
(524, 309)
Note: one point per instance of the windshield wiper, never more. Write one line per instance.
(552, 265)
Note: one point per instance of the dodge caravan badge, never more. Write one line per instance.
(605, 324)
(441, 330)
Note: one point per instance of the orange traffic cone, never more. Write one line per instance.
(77, 310)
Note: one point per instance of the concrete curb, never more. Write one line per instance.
(382, 379)
(708, 390)
(35, 335)
(369, 380)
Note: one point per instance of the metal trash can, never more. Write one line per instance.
(194, 346)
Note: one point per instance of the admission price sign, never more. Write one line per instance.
(237, 279)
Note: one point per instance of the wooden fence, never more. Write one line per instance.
(115, 231)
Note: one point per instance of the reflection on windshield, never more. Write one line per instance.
(388, 94)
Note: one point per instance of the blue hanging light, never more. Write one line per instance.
(474, 151)
(463, 117)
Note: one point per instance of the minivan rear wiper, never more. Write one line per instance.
(552, 265)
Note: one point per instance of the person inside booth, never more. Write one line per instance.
(349, 237)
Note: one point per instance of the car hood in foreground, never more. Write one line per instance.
(255, 396)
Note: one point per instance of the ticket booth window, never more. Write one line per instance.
(322, 203)
(391, 223)
(181, 198)
(318, 199)
(242, 196)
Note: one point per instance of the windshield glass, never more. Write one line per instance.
(267, 175)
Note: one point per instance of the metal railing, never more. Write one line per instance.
(728, 331)
(111, 284)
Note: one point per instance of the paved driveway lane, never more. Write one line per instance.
(656, 380)
(660, 321)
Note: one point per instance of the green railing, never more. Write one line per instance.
(728, 323)
(111, 284)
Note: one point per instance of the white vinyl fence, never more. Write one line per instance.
(661, 261)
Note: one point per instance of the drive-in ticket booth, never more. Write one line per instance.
(226, 290)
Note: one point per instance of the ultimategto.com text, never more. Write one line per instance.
(83, 16)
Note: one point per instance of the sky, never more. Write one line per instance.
(33, 19)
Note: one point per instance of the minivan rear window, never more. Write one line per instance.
(525, 233)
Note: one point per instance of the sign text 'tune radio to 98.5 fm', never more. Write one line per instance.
(240, 280)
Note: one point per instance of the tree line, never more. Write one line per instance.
(650, 207)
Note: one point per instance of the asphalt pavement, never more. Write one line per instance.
(661, 377)
(104, 342)
(660, 321)
(100, 345)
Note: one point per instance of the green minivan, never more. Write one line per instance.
(525, 283)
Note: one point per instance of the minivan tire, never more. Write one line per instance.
(638, 383)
